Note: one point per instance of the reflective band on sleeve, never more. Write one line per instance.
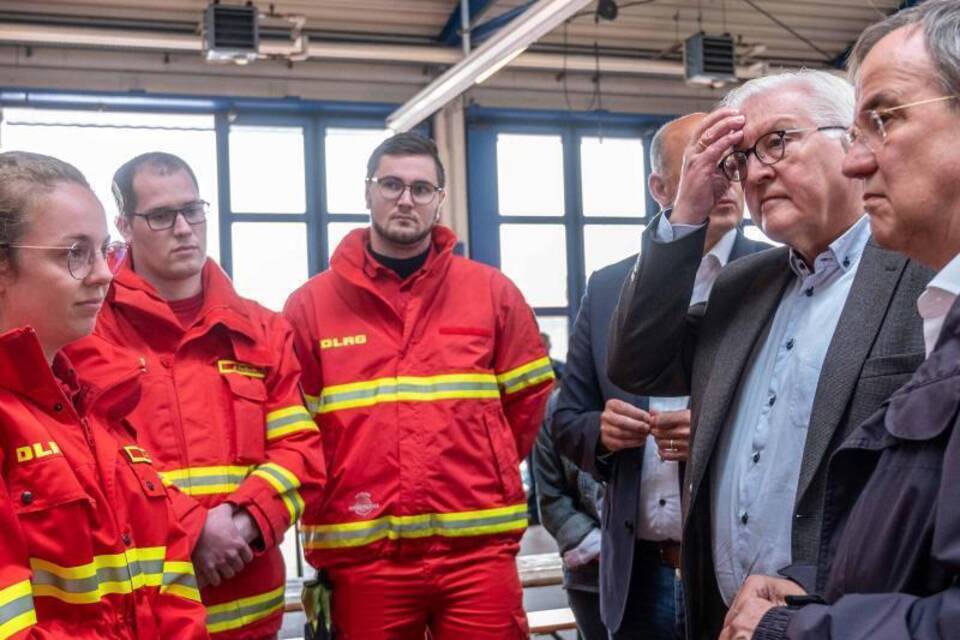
(407, 389)
(526, 376)
(16, 609)
(283, 422)
(313, 403)
(180, 580)
(108, 574)
(285, 484)
(203, 481)
(450, 525)
(240, 613)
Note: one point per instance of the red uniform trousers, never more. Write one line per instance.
(471, 594)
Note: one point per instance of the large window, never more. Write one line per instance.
(552, 203)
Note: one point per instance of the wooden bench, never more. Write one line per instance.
(536, 570)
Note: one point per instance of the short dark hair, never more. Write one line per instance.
(940, 23)
(407, 144)
(159, 161)
(25, 177)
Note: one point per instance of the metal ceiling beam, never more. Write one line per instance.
(450, 34)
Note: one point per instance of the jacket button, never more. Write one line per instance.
(126, 539)
(629, 525)
(26, 497)
(58, 407)
(149, 485)
(744, 518)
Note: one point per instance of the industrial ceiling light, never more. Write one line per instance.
(493, 55)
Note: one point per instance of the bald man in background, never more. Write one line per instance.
(615, 435)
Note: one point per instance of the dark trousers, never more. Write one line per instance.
(654, 609)
(586, 609)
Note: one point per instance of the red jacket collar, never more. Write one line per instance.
(352, 261)
(220, 300)
(25, 372)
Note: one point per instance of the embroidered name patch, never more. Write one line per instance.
(231, 366)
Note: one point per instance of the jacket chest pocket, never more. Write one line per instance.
(247, 396)
(50, 503)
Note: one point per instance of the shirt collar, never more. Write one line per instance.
(721, 251)
(948, 278)
(844, 252)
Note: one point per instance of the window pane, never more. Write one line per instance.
(269, 260)
(97, 143)
(337, 231)
(266, 170)
(557, 328)
(613, 178)
(530, 175)
(534, 256)
(347, 151)
(605, 244)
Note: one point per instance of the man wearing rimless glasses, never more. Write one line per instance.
(220, 410)
(796, 346)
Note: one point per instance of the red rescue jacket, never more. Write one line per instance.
(428, 393)
(89, 543)
(224, 419)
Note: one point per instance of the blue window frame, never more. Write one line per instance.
(486, 126)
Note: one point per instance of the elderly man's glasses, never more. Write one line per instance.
(164, 218)
(871, 128)
(769, 149)
(421, 191)
(81, 256)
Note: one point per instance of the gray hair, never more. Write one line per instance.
(831, 97)
(656, 149)
(940, 21)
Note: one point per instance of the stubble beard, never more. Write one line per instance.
(401, 237)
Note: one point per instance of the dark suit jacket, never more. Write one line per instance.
(658, 348)
(576, 427)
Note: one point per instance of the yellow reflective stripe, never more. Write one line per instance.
(450, 525)
(283, 422)
(285, 484)
(406, 389)
(313, 403)
(201, 481)
(180, 580)
(240, 613)
(16, 609)
(526, 375)
(119, 573)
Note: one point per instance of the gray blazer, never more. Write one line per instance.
(659, 348)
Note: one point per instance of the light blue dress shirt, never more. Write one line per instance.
(756, 465)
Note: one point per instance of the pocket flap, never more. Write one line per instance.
(42, 484)
(245, 386)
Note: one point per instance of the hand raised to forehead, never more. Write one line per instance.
(702, 183)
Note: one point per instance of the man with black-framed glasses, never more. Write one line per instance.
(891, 561)
(427, 377)
(795, 346)
(220, 411)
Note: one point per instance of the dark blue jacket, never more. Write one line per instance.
(576, 427)
(890, 548)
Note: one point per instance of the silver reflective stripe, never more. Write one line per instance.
(388, 388)
(279, 423)
(15, 608)
(182, 579)
(248, 611)
(207, 481)
(527, 377)
(103, 575)
(432, 524)
(276, 475)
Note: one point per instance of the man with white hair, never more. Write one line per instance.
(795, 347)
(890, 562)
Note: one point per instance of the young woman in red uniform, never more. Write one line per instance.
(88, 545)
